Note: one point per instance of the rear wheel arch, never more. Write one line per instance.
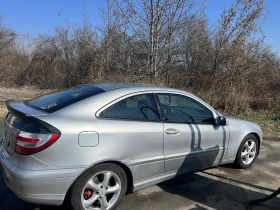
(73, 197)
(127, 172)
(122, 165)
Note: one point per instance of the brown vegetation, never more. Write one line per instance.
(166, 42)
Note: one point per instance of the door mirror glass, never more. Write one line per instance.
(221, 120)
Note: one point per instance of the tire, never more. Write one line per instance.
(84, 189)
(245, 161)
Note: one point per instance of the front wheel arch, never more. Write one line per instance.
(238, 162)
(259, 141)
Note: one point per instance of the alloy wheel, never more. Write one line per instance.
(101, 191)
(248, 151)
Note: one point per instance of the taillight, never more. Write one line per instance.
(31, 143)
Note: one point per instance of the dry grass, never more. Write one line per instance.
(3, 110)
(22, 93)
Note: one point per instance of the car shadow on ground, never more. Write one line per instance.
(225, 193)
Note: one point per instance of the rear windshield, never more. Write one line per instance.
(58, 100)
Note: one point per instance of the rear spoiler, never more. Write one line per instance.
(30, 119)
(15, 112)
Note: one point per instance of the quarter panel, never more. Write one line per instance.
(88, 139)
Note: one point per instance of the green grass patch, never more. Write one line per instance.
(268, 120)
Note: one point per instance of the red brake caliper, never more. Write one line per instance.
(87, 194)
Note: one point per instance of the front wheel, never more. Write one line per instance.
(99, 188)
(247, 152)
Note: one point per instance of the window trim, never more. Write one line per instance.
(155, 92)
(97, 115)
(189, 96)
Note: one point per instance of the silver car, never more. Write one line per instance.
(94, 143)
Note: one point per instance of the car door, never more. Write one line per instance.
(191, 140)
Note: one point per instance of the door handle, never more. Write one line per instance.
(171, 131)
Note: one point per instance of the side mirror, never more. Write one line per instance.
(221, 120)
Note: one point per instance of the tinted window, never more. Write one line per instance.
(139, 107)
(55, 101)
(178, 108)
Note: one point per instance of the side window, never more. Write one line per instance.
(138, 107)
(178, 108)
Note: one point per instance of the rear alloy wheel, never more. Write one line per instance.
(100, 191)
(247, 152)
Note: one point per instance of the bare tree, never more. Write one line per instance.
(7, 36)
(237, 26)
(12, 55)
(69, 57)
(155, 23)
(111, 39)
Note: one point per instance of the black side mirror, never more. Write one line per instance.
(221, 120)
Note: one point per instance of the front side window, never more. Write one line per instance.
(138, 107)
(183, 109)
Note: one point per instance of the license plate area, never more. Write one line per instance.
(10, 138)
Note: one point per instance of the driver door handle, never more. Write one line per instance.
(171, 131)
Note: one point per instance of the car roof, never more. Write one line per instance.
(113, 86)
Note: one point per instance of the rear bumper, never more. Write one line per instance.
(47, 187)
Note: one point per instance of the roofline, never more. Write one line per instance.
(113, 86)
